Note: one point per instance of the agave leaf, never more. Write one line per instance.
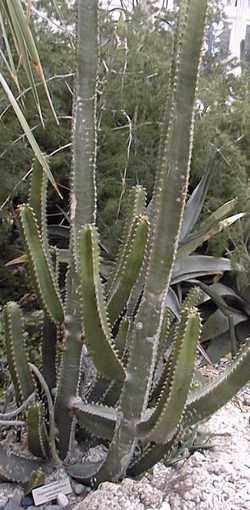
(17, 469)
(218, 323)
(221, 213)
(9, 61)
(23, 259)
(194, 205)
(223, 290)
(192, 266)
(197, 239)
(172, 302)
(220, 346)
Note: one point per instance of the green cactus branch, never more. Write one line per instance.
(70, 371)
(169, 201)
(142, 341)
(41, 270)
(96, 323)
(83, 188)
(206, 401)
(163, 423)
(37, 436)
(135, 208)
(98, 420)
(16, 352)
(130, 268)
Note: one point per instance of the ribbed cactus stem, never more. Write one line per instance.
(83, 191)
(169, 202)
(83, 208)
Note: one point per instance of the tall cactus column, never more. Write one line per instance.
(83, 206)
(169, 201)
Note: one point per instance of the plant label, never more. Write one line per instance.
(50, 491)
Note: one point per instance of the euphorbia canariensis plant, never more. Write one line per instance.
(141, 395)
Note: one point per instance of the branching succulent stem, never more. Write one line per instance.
(52, 427)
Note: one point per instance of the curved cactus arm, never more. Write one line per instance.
(192, 299)
(50, 407)
(153, 454)
(169, 200)
(37, 434)
(130, 269)
(13, 414)
(83, 189)
(16, 353)
(207, 400)
(96, 325)
(162, 425)
(98, 420)
(135, 208)
(41, 271)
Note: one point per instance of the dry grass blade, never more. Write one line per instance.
(36, 149)
(26, 47)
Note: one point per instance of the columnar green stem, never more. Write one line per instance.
(169, 202)
(83, 192)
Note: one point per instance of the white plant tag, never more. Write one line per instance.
(50, 491)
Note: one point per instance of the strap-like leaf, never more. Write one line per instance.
(192, 266)
(30, 137)
(196, 239)
(194, 205)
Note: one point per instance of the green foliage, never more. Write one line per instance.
(133, 405)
